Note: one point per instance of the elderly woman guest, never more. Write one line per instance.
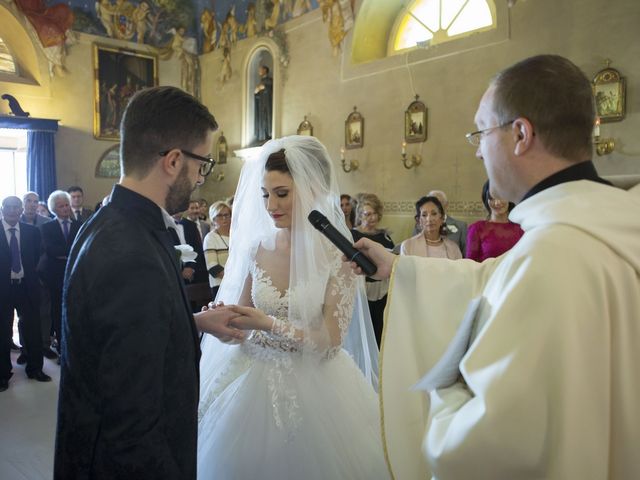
(496, 235)
(216, 244)
(347, 206)
(432, 241)
(368, 215)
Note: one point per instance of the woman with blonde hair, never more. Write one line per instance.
(216, 244)
(368, 215)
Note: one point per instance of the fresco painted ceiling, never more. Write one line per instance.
(210, 23)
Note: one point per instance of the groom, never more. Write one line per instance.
(129, 363)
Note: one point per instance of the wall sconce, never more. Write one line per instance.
(353, 164)
(413, 161)
(604, 146)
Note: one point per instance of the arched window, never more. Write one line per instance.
(429, 22)
(7, 63)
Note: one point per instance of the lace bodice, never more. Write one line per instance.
(312, 333)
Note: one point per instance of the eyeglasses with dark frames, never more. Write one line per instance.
(474, 137)
(205, 168)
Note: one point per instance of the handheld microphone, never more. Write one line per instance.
(321, 222)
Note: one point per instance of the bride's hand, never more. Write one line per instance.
(250, 318)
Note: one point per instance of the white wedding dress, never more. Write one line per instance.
(273, 413)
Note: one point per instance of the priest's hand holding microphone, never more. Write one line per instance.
(366, 257)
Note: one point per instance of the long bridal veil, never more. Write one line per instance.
(326, 302)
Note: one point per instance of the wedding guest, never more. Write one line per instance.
(368, 214)
(193, 214)
(456, 230)
(57, 238)
(216, 244)
(30, 201)
(496, 235)
(31, 216)
(19, 291)
(44, 210)
(79, 212)
(432, 241)
(347, 206)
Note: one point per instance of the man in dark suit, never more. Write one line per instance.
(193, 214)
(30, 215)
(57, 238)
(19, 291)
(129, 376)
(198, 283)
(78, 212)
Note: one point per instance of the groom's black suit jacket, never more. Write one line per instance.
(129, 374)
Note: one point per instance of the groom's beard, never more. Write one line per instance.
(179, 193)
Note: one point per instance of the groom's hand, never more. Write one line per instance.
(217, 322)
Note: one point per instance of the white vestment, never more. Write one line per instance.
(549, 385)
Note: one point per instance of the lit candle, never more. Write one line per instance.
(596, 128)
(341, 153)
(404, 147)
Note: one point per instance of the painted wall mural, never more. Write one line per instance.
(210, 24)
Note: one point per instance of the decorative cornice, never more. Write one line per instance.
(459, 208)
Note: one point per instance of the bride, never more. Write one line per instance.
(290, 402)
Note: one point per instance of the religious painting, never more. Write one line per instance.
(109, 164)
(415, 122)
(609, 94)
(118, 74)
(354, 130)
(305, 128)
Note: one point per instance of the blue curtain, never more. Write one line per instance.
(41, 162)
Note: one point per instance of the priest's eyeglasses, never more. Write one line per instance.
(474, 137)
(205, 168)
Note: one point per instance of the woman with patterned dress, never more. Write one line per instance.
(296, 399)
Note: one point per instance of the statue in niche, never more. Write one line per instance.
(225, 70)
(263, 100)
(209, 29)
(250, 28)
(139, 17)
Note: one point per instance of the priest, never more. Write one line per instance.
(523, 366)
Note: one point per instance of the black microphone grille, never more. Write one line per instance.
(316, 218)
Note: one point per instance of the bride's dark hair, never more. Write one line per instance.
(277, 162)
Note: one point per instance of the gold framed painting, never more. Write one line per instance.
(415, 122)
(118, 74)
(609, 95)
(354, 130)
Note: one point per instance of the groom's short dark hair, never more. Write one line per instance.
(159, 119)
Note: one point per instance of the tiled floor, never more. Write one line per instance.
(27, 424)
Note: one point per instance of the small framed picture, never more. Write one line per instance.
(305, 128)
(109, 164)
(354, 130)
(118, 74)
(222, 150)
(609, 95)
(415, 122)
